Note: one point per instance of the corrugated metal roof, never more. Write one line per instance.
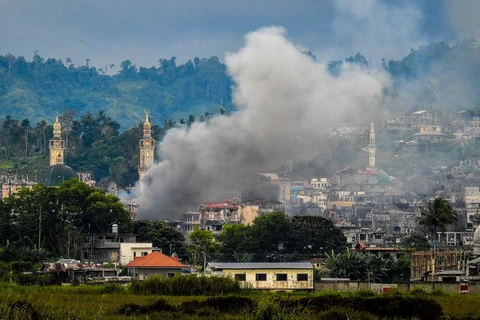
(260, 265)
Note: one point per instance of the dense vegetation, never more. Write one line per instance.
(48, 223)
(38, 88)
(274, 237)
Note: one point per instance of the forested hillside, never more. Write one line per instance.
(39, 88)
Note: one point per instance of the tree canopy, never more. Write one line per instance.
(55, 219)
(277, 237)
(437, 214)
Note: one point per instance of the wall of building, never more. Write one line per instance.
(347, 286)
(271, 283)
(248, 213)
(145, 273)
(128, 251)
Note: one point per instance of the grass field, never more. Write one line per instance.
(115, 302)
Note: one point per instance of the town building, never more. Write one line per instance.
(273, 276)
(155, 264)
(472, 206)
(430, 134)
(70, 271)
(114, 247)
(13, 181)
(211, 216)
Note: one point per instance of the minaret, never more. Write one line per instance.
(147, 146)
(372, 148)
(57, 144)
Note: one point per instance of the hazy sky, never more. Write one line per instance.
(111, 31)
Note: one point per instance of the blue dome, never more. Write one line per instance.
(56, 174)
(383, 177)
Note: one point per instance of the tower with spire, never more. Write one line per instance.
(372, 148)
(57, 144)
(147, 147)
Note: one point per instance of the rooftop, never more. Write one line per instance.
(260, 265)
(156, 260)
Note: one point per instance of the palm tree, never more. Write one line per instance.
(437, 214)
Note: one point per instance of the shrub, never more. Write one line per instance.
(19, 310)
(130, 308)
(159, 305)
(25, 279)
(365, 293)
(186, 286)
(135, 309)
(382, 306)
(113, 288)
(231, 303)
(345, 314)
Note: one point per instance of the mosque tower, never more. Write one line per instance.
(372, 148)
(147, 147)
(57, 145)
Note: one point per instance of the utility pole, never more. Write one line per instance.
(40, 228)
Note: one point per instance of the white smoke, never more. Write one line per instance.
(463, 18)
(286, 103)
(377, 29)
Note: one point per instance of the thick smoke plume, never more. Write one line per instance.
(377, 29)
(286, 104)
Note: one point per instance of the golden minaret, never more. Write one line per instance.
(147, 147)
(57, 144)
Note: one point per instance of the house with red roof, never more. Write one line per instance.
(155, 263)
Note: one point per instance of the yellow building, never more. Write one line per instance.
(147, 148)
(10, 189)
(274, 276)
(57, 145)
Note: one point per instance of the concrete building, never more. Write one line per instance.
(155, 263)
(114, 247)
(430, 134)
(319, 183)
(274, 276)
(471, 197)
(211, 216)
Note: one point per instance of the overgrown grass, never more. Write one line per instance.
(113, 301)
(186, 286)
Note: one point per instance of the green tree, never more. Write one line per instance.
(234, 242)
(415, 242)
(436, 215)
(268, 237)
(162, 236)
(203, 247)
(55, 219)
(315, 235)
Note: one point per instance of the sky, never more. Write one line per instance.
(143, 31)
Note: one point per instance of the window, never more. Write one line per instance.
(378, 236)
(261, 277)
(240, 277)
(302, 276)
(281, 277)
(144, 254)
